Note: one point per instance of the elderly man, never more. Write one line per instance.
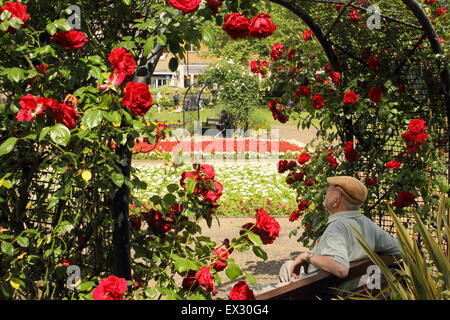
(337, 247)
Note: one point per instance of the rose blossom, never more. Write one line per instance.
(417, 126)
(71, 40)
(31, 107)
(307, 35)
(17, 10)
(189, 281)
(371, 181)
(222, 256)
(441, 11)
(373, 63)
(137, 98)
(303, 91)
(404, 199)
(350, 98)
(236, 25)
(186, 6)
(111, 288)
(268, 224)
(354, 16)
(241, 291)
(261, 26)
(214, 6)
(206, 279)
(63, 113)
(303, 158)
(336, 77)
(318, 102)
(390, 165)
(375, 94)
(122, 61)
(277, 51)
(332, 161)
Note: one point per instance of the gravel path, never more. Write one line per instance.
(282, 250)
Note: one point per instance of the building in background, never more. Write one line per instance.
(189, 70)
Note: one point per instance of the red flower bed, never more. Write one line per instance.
(220, 145)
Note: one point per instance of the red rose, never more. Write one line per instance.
(207, 170)
(189, 281)
(268, 224)
(307, 35)
(186, 175)
(222, 256)
(336, 77)
(291, 54)
(317, 101)
(261, 26)
(393, 165)
(258, 66)
(328, 68)
(157, 223)
(295, 215)
(441, 11)
(135, 222)
(417, 126)
(122, 61)
(236, 25)
(414, 141)
(303, 158)
(206, 279)
(42, 68)
(309, 182)
(31, 107)
(404, 199)
(354, 16)
(187, 6)
(303, 91)
(241, 291)
(429, 2)
(282, 166)
(137, 98)
(64, 262)
(373, 63)
(277, 51)
(214, 6)
(17, 10)
(350, 98)
(214, 195)
(372, 181)
(332, 161)
(375, 94)
(61, 112)
(71, 40)
(111, 288)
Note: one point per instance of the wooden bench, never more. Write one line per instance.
(317, 286)
(211, 123)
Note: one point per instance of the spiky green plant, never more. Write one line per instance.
(424, 273)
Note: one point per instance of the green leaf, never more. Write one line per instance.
(118, 178)
(173, 64)
(127, 2)
(209, 37)
(149, 45)
(173, 187)
(86, 286)
(260, 253)
(183, 264)
(51, 29)
(250, 278)
(60, 134)
(16, 74)
(95, 72)
(7, 248)
(92, 118)
(256, 239)
(169, 200)
(196, 296)
(7, 146)
(44, 133)
(233, 271)
(23, 241)
(161, 39)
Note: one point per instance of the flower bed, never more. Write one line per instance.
(245, 187)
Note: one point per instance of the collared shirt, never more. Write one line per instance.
(339, 239)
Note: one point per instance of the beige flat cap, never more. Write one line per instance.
(351, 188)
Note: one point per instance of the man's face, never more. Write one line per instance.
(332, 198)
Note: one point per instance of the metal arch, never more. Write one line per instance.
(198, 100)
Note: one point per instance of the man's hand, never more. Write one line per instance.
(300, 261)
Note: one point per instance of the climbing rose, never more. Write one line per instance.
(404, 199)
(277, 51)
(318, 102)
(42, 68)
(236, 25)
(189, 281)
(307, 35)
(390, 165)
(414, 141)
(417, 126)
(63, 113)
(336, 77)
(268, 224)
(214, 6)
(205, 279)
(137, 98)
(303, 158)
(17, 10)
(430, 2)
(303, 91)
(261, 26)
(71, 40)
(31, 107)
(241, 291)
(291, 54)
(122, 61)
(371, 181)
(257, 66)
(187, 6)
(441, 11)
(222, 256)
(375, 94)
(111, 288)
(350, 153)
(282, 166)
(350, 98)
(354, 16)
(373, 63)
(332, 161)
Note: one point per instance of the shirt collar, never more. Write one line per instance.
(344, 215)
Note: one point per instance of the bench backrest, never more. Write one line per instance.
(309, 288)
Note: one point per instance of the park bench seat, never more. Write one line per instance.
(211, 123)
(317, 285)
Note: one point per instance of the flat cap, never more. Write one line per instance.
(351, 188)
